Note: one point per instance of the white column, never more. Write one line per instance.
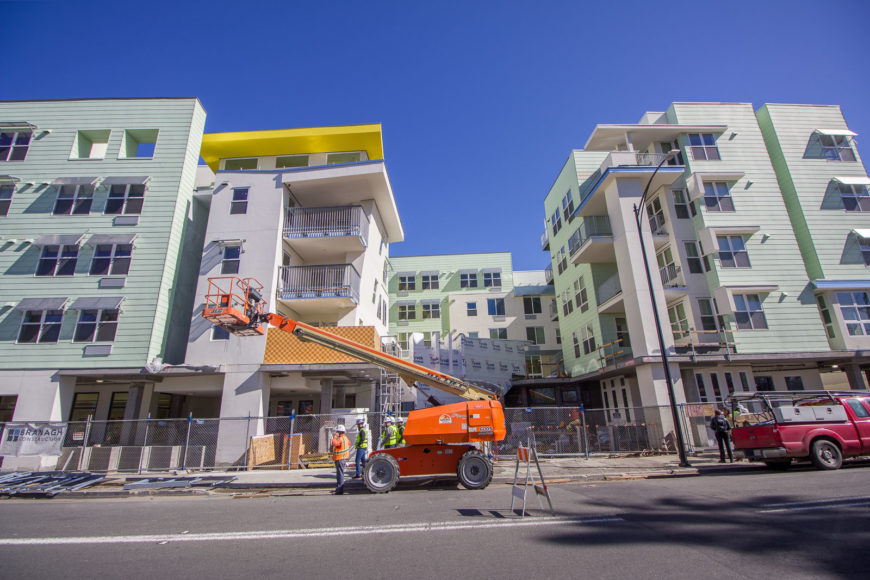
(325, 396)
(244, 394)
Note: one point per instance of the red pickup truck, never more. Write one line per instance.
(777, 427)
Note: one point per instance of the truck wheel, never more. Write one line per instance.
(474, 470)
(381, 473)
(778, 464)
(825, 454)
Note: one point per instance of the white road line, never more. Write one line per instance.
(818, 505)
(310, 533)
(814, 502)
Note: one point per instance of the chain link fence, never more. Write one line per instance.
(299, 441)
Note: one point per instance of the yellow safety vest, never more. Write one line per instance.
(362, 439)
(390, 435)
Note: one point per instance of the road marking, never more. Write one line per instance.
(309, 533)
(819, 504)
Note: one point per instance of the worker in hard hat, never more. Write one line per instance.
(340, 447)
(362, 446)
(390, 436)
(401, 428)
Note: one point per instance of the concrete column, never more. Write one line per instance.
(341, 397)
(244, 394)
(325, 396)
(855, 376)
(652, 384)
(373, 399)
(131, 411)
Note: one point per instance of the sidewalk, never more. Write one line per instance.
(555, 470)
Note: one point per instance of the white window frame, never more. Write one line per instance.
(471, 308)
(407, 283)
(8, 149)
(495, 306)
(81, 195)
(836, 147)
(855, 310)
(735, 249)
(703, 147)
(717, 197)
(492, 279)
(536, 335)
(239, 202)
(45, 326)
(532, 305)
(227, 259)
(7, 192)
(468, 280)
(746, 315)
(105, 320)
(588, 339)
(581, 295)
(129, 196)
(682, 202)
(429, 281)
(407, 312)
(118, 254)
(431, 310)
(65, 255)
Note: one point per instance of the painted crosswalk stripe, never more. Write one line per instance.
(311, 533)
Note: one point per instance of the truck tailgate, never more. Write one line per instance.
(756, 437)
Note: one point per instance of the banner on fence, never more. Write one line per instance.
(23, 439)
(700, 410)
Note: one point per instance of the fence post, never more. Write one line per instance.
(247, 430)
(684, 419)
(187, 440)
(585, 433)
(145, 442)
(85, 441)
(290, 442)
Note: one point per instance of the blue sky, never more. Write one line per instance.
(481, 102)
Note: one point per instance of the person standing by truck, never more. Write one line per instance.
(722, 428)
(390, 436)
(340, 446)
(362, 447)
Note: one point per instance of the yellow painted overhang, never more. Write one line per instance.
(217, 146)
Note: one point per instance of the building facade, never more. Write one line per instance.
(742, 252)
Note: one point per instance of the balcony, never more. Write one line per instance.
(554, 311)
(592, 242)
(548, 273)
(673, 281)
(325, 233)
(609, 296)
(545, 239)
(319, 289)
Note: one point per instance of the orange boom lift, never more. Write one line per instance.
(440, 439)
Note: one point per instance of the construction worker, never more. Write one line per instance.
(401, 428)
(390, 436)
(362, 447)
(340, 447)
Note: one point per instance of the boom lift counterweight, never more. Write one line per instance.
(439, 439)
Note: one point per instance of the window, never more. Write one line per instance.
(656, 216)
(6, 190)
(580, 296)
(702, 391)
(860, 410)
(289, 161)
(403, 340)
(491, 279)
(717, 197)
(864, 246)
(495, 306)
(218, 333)
(588, 340)
(693, 257)
(427, 339)
(556, 222)
(498, 333)
(855, 197)
(558, 335)
(231, 260)
(240, 164)
(729, 383)
(533, 366)
(429, 281)
(468, 280)
(567, 206)
(40, 326)
(679, 321)
(834, 148)
(138, 144)
(707, 314)
(532, 304)
(622, 336)
(764, 383)
(90, 144)
(744, 381)
(432, 310)
(240, 200)
(563, 260)
(473, 334)
(748, 312)
(685, 209)
(58, 261)
(471, 308)
(855, 309)
(668, 147)
(795, 383)
(125, 198)
(714, 382)
(732, 252)
(535, 334)
(668, 269)
(576, 342)
(111, 259)
(84, 405)
(407, 283)
(567, 303)
(336, 158)
(407, 311)
(826, 317)
(96, 326)
(703, 147)
(14, 144)
(74, 199)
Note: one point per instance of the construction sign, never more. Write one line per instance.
(27, 439)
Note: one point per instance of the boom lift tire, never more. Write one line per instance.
(474, 470)
(825, 454)
(381, 473)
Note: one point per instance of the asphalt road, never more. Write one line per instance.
(749, 523)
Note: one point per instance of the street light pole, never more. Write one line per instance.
(678, 430)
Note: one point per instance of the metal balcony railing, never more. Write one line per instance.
(608, 289)
(548, 273)
(657, 224)
(327, 281)
(545, 239)
(325, 222)
(671, 276)
(596, 225)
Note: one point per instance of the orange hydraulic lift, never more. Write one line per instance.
(439, 439)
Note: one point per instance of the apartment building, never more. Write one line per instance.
(96, 221)
(476, 297)
(309, 214)
(746, 269)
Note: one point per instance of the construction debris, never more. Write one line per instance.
(45, 483)
(170, 482)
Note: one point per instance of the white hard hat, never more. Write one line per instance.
(340, 429)
(401, 419)
(388, 420)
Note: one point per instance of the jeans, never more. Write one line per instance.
(339, 476)
(724, 441)
(360, 460)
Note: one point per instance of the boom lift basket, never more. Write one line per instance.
(231, 303)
